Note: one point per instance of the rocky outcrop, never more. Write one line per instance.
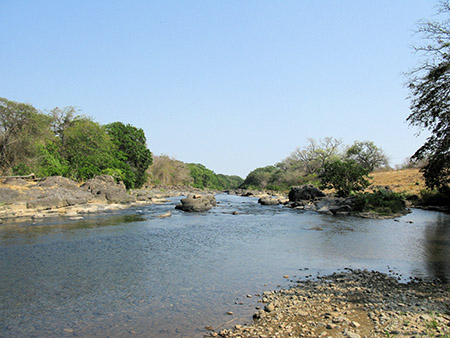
(105, 187)
(305, 192)
(197, 203)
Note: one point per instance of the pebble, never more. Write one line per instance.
(310, 307)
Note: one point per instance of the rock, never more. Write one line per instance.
(47, 202)
(268, 201)
(58, 182)
(197, 203)
(105, 187)
(304, 192)
(351, 334)
(8, 196)
(269, 307)
(165, 215)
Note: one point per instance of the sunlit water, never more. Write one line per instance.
(132, 274)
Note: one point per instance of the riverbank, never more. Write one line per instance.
(351, 304)
(24, 200)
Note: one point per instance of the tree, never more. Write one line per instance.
(367, 154)
(131, 148)
(87, 149)
(429, 86)
(313, 156)
(345, 176)
(169, 171)
(22, 131)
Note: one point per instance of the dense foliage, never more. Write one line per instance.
(64, 143)
(345, 176)
(430, 100)
(131, 150)
(206, 178)
(383, 202)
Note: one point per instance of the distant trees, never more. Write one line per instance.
(314, 155)
(169, 171)
(206, 178)
(67, 144)
(307, 164)
(429, 86)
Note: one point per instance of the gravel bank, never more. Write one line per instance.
(351, 304)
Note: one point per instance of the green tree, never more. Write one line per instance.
(345, 176)
(87, 149)
(367, 154)
(22, 131)
(429, 85)
(131, 148)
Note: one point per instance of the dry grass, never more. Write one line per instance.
(406, 180)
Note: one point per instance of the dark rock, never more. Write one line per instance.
(197, 203)
(304, 192)
(268, 201)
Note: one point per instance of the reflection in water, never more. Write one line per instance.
(135, 274)
(437, 248)
(33, 231)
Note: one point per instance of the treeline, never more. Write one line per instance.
(65, 143)
(169, 171)
(317, 162)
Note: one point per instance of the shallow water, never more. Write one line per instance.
(132, 274)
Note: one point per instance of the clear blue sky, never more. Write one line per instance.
(234, 84)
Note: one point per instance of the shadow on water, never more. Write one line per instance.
(437, 248)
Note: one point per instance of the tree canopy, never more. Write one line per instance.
(429, 85)
(67, 144)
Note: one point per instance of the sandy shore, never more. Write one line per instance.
(351, 304)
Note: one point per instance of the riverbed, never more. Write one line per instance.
(130, 273)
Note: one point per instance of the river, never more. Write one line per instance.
(131, 274)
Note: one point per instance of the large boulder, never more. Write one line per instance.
(105, 187)
(305, 192)
(197, 203)
(268, 201)
(58, 198)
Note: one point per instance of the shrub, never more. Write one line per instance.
(383, 202)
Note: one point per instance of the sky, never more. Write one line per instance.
(234, 85)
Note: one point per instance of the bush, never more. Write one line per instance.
(383, 202)
(435, 197)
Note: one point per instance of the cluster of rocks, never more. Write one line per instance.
(351, 304)
(21, 199)
(310, 198)
(197, 203)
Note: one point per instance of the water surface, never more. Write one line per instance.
(132, 274)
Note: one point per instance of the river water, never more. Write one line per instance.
(131, 274)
